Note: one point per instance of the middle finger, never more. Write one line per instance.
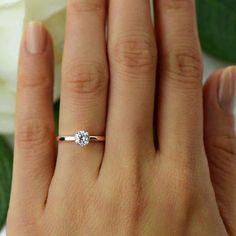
(132, 54)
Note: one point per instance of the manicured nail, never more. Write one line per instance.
(227, 89)
(35, 38)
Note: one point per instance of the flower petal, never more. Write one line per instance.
(11, 23)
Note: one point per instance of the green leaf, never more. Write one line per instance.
(5, 178)
(217, 27)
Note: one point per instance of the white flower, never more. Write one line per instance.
(14, 15)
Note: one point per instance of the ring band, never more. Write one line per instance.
(81, 138)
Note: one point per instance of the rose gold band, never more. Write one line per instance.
(97, 138)
(72, 138)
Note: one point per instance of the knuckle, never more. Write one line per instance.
(86, 6)
(224, 145)
(131, 189)
(89, 78)
(33, 131)
(130, 194)
(21, 222)
(185, 185)
(135, 53)
(35, 80)
(185, 179)
(185, 68)
(136, 204)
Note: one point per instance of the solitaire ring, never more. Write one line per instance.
(81, 138)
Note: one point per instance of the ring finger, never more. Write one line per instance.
(84, 86)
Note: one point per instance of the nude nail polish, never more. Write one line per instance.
(35, 38)
(227, 90)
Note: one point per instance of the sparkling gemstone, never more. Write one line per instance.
(82, 138)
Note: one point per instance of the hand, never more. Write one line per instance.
(131, 184)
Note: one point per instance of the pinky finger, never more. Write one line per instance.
(34, 135)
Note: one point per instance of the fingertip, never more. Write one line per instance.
(227, 90)
(36, 38)
(220, 90)
(36, 58)
(210, 90)
(36, 41)
(219, 102)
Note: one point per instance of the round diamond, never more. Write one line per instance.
(82, 138)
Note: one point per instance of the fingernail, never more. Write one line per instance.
(227, 89)
(35, 38)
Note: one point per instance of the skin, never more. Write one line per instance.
(133, 86)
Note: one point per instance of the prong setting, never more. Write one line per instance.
(82, 138)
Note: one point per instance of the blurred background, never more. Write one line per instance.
(217, 32)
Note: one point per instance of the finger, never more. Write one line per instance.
(132, 55)
(180, 114)
(84, 86)
(34, 135)
(220, 140)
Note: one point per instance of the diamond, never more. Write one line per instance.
(82, 138)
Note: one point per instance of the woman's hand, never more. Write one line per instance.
(131, 184)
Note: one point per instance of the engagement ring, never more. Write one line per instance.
(81, 138)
